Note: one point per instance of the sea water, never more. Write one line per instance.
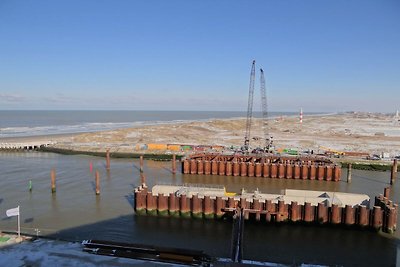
(21, 123)
(75, 213)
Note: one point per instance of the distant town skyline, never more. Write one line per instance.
(196, 55)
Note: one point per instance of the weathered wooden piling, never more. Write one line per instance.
(141, 163)
(108, 159)
(386, 192)
(173, 163)
(97, 183)
(142, 178)
(393, 173)
(349, 173)
(53, 180)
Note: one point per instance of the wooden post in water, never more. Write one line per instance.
(108, 159)
(53, 180)
(141, 163)
(393, 173)
(349, 173)
(173, 163)
(386, 192)
(97, 183)
(142, 178)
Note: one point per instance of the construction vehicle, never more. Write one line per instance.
(330, 151)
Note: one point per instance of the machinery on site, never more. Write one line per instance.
(268, 140)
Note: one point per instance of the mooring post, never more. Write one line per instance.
(97, 183)
(173, 163)
(393, 174)
(53, 180)
(108, 159)
(349, 173)
(30, 185)
(141, 163)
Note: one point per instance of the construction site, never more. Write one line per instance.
(264, 162)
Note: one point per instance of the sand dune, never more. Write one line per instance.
(362, 132)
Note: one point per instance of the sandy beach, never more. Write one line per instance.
(355, 132)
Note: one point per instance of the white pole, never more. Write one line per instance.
(19, 226)
(301, 115)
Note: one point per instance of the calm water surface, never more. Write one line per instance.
(76, 213)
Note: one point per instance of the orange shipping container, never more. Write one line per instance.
(156, 146)
(174, 147)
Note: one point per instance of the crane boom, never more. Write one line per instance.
(250, 107)
(264, 109)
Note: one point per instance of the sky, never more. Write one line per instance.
(322, 56)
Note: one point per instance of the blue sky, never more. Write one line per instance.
(196, 55)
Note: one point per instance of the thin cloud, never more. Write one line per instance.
(61, 98)
(14, 98)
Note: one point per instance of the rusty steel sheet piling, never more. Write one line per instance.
(207, 167)
(193, 166)
(306, 168)
(221, 168)
(228, 169)
(214, 167)
(383, 215)
(243, 169)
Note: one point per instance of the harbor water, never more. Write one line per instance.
(75, 212)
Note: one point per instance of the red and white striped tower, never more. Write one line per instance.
(301, 115)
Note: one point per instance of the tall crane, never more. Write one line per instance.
(246, 146)
(264, 108)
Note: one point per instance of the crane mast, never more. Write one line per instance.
(249, 108)
(264, 108)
